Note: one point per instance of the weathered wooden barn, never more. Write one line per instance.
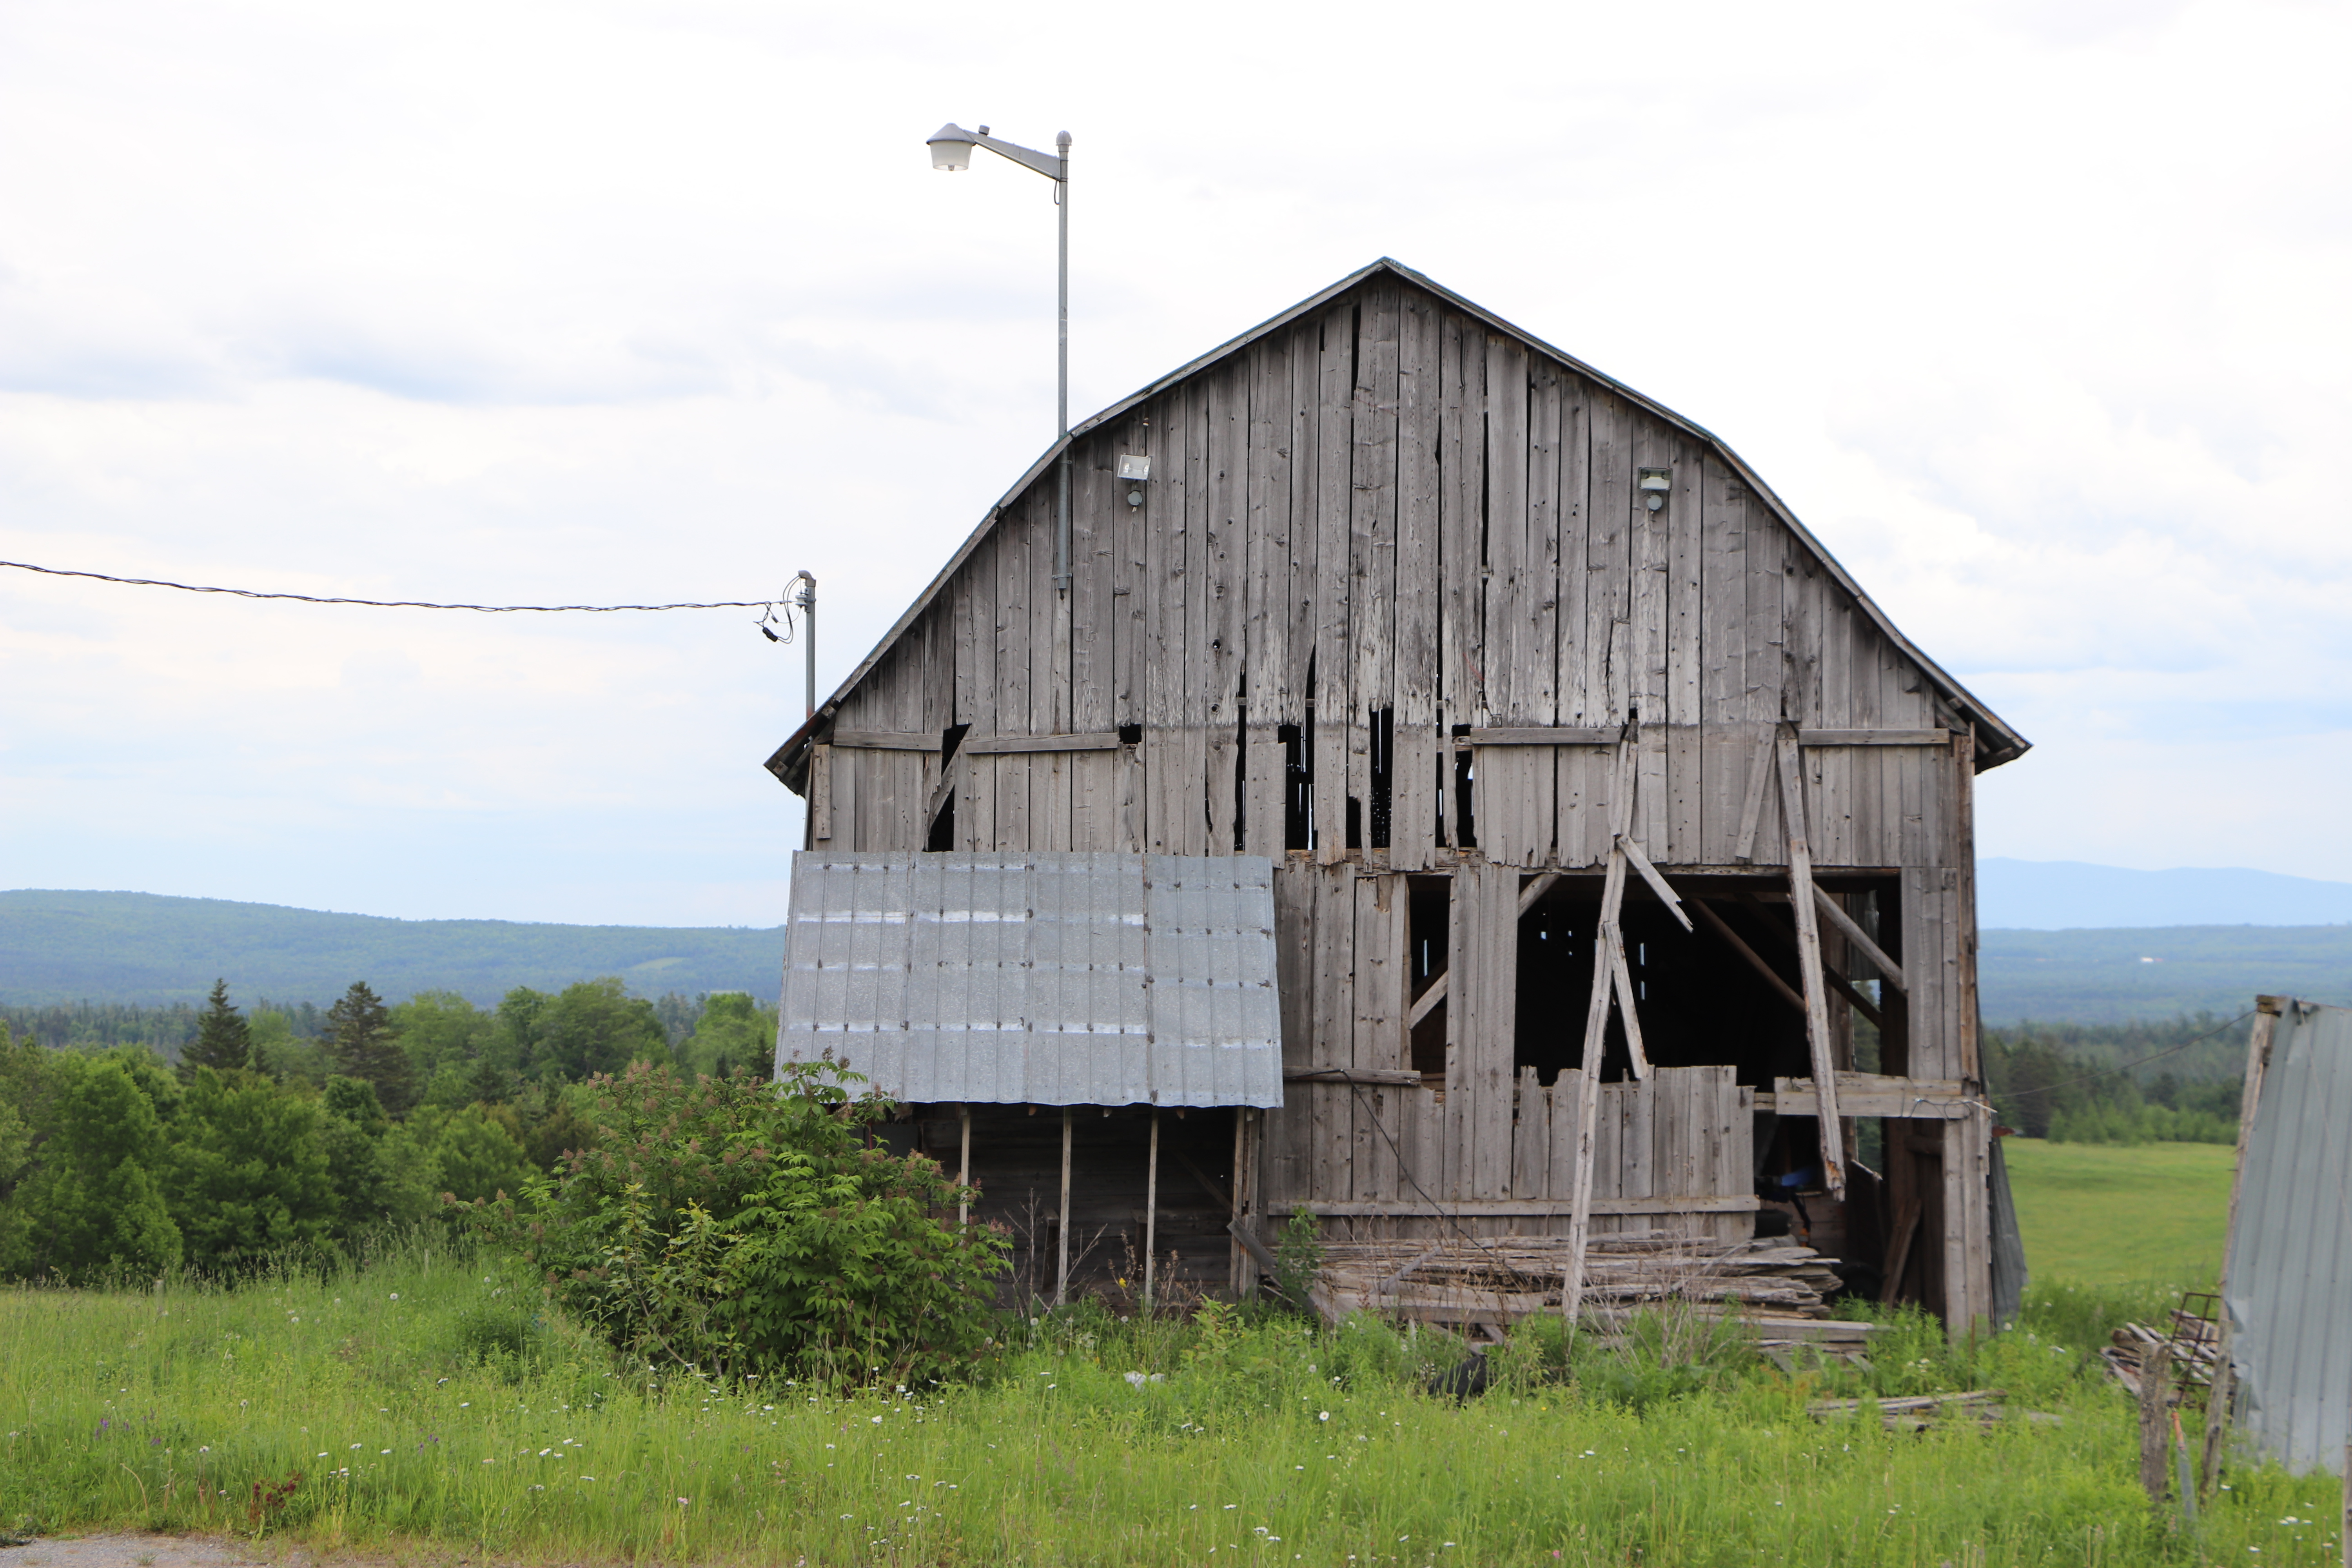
(1613, 829)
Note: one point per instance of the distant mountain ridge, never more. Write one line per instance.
(2062, 895)
(65, 947)
(149, 948)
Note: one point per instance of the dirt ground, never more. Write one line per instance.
(135, 1552)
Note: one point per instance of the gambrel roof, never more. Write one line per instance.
(1997, 742)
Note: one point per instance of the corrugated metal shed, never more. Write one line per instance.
(1089, 979)
(2289, 1286)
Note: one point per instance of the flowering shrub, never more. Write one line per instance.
(739, 1225)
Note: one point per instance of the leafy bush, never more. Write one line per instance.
(1298, 1256)
(737, 1226)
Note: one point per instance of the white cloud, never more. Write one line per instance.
(2032, 313)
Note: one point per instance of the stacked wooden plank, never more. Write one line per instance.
(2191, 1351)
(1496, 1282)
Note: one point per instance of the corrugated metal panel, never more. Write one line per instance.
(2289, 1290)
(1095, 979)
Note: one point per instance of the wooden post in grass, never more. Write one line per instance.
(2155, 1375)
(1150, 1208)
(963, 1168)
(2223, 1389)
(1062, 1269)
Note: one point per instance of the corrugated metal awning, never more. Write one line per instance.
(1097, 979)
(2289, 1286)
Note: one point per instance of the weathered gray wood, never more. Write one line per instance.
(1873, 737)
(1024, 745)
(1334, 662)
(819, 796)
(884, 740)
(1809, 949)
(1551, 735)
(1266, 696)
(1760, 774)
(1506, 1209)
(1412, 833)
(2259, 1040)
(1888, 970)
(1371, 543)
(1312, 1073)
(1657, 883)
(1381, 981)
(1614, 939)
(1462, 447)
(1596, 1028)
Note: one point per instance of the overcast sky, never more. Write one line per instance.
(2035, 312)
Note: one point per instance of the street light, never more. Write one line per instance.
(951, 147)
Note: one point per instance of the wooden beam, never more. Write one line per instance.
(1888, 970)
(1062, 1270)
(1716, 922)
(1873, 1094)
(1808, 956)
(1624, 976)
(1532, 1209)
(941, 791)
(1150, 1209)
(1759, 773)
(1666, 895)
(885, 740)
(2250, 1100)
(1596, 1034)
(1018, 745)
(1532, 894)
(1426, 1003)
(1561, 736)
(1899, 1254)
(963, 1166)
(1838, 982)
(1873, 737)
(1396, 1075)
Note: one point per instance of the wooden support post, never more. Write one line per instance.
(1426, 1003)
(1658, 885)
(2225, 1387)
(1596, 1034)
(1624, 976)
(1150, 1210)
(1888, 970)
(1898, 1251)
(2155, 1384)
(1062, 1269)
(1809, 951)
(1760, 774)
(963, 1166)
(1756, 962)
(1241, 1205)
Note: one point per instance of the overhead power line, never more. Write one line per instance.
(387, 604)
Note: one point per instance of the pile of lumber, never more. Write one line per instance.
(1495, 1280)
(2190, 1351)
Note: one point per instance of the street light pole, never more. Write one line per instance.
(951, 147)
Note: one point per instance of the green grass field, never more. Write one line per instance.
(434, 1404)
(2107, 1214)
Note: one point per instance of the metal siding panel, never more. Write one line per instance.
(2289, 1290)
(1054, 979)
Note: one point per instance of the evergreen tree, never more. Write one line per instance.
(224, 1041)
(361, 1044)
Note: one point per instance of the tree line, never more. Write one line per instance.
(297, 1127)
(2162, 1082)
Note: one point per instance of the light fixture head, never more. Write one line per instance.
(1653, 484)
(951, 147)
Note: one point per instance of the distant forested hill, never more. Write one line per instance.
(152, 951)
(2159, 972)
(60, 947)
